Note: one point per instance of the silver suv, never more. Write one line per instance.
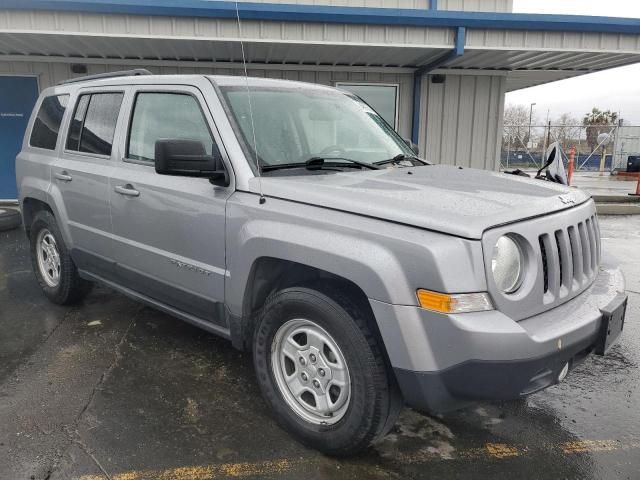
(291, 219)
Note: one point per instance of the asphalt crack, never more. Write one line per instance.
(72, 430)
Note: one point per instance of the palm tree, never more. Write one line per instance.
(597, 122)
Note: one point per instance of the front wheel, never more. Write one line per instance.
(322, 370)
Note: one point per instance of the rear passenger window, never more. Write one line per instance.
(158, 116)
(94, 123)
(47, 123)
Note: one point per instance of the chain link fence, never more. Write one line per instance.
(524, 147)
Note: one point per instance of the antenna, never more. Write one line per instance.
(253, 128)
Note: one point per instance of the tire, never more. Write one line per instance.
(9, 219)
(66, 287)
(372, 398)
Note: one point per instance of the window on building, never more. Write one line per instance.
(94, 123)
(383, 98)
(158, 116)
(47, 123)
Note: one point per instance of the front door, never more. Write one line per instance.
(18, 95)
(169, 231)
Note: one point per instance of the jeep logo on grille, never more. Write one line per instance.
(567, 199)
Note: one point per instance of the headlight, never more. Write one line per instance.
(507, 264)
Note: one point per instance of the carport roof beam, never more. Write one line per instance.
(335, 14)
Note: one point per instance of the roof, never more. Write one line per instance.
(527, 48)
(337, 14)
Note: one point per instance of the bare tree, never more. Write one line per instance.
(566, 130)
(516, 123)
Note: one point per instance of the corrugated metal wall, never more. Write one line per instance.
(355, 3)
(476, 5)
(462, 120)
(52, 73)
(460, 5)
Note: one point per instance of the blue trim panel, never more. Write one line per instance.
(433, 4)
(332, 14)
(415, 121)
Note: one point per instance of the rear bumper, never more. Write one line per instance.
(444, 362)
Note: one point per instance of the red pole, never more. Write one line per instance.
(637, 194)
(572, 155)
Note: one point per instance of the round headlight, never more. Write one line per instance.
(507, 264)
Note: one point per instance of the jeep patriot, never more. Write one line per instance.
(291, 219)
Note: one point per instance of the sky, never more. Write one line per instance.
(617, 89)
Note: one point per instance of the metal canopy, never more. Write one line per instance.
(213, 50)
(528, 49)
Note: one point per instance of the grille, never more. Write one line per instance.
(570, 258)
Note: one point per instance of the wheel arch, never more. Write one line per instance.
(30, 207)
(271, 274)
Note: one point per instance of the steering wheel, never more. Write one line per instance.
(334, 150)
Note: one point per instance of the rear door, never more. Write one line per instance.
(82, 172)
(169, 231)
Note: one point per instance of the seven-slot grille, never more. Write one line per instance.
(570, 258)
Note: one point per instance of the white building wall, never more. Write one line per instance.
(459, 5)
(504, 6)
(461, 120)
(50, 73)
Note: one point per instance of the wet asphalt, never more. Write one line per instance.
(113, 390)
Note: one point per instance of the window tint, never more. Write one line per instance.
(100, 123)
(382, 98)
(166, 116)
(73, 138)
(47, 123)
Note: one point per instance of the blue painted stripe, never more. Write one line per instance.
(433, 5)
(332, 14)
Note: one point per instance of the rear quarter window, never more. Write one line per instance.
(46, 126)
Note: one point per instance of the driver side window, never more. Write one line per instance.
(158, 115)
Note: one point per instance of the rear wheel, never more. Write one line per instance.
(323, 372)
(52, 263)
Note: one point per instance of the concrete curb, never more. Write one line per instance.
(618, 208)
(616, 199)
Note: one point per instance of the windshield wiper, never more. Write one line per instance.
(400, 157)
(318, 162)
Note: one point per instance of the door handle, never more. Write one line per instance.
(64, 176)
(127, 190)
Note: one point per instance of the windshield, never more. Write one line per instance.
(294, 124)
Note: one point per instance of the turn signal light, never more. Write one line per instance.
(454, 303)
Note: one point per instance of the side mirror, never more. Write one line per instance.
(188, 158)
(414, 148)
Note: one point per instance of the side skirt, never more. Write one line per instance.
(196, 321)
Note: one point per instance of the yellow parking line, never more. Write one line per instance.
(490, 451)
(502, 450)
(206, 472)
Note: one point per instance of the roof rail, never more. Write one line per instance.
(99, 76)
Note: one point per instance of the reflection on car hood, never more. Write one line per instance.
(461, 202)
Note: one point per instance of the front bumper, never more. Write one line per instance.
(444, 362)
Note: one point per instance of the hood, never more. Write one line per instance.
(462, 202)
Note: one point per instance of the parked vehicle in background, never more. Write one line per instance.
(291, 219)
